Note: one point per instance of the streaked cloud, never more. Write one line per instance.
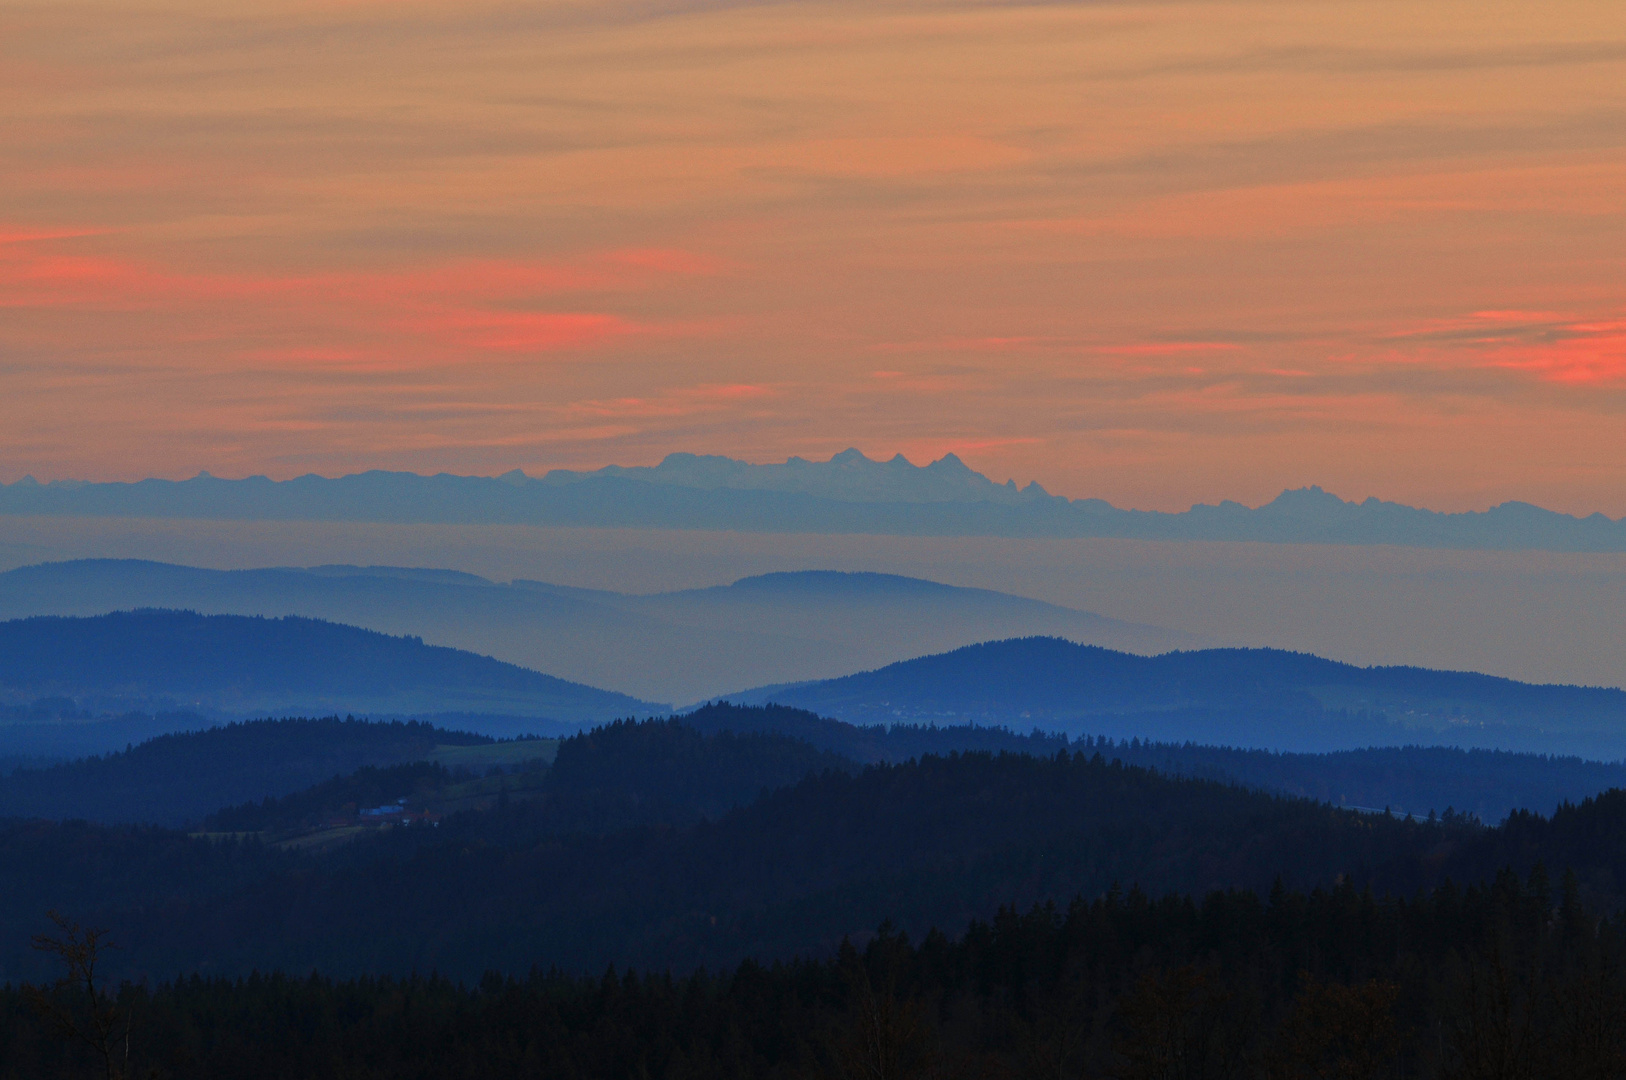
(1155, 252)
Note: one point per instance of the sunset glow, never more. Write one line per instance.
(1156, 253)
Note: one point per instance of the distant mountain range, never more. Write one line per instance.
(1264, 698)
(677, 647)
(850, 493)
(231, 665)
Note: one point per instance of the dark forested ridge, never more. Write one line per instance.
(578, 872)
(1326, 940)
(1263, 698)
(238, 665)
(1490, 784)
(176, 779)
(1512, 979)
(867, 743)
(934, 841)
(180, 778)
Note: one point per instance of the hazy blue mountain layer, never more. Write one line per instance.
(847, 494)
(253, 666)
(680, 646)
(1260, 698)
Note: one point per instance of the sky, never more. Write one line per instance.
(1158, 253)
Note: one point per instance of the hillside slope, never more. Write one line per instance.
(175, 780)
(628, 851)
(1264, 698)
(244, 666)
(678, 646)
(1489, 784)
(931, 842)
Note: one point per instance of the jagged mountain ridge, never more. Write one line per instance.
(850, 493)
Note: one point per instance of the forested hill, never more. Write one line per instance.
(867, 743)
(656, 844)
(1488, 784)
(930, 842)
(179, 778)
(240, 665)
(1249, 697)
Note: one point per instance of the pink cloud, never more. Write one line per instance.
(1586, 353)
(1168, 348)
(677, 402)
(46, 234)
(463, 309)
(1553, 347)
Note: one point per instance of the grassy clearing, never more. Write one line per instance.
(503, 753)
(326, 839)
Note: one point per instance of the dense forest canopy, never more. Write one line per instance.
(660, 845)
(178, 779)
(811, 897)
(1513, 978)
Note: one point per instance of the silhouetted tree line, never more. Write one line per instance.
(1412, 779)
(869, 744)
(1511, 980)
(669, 772)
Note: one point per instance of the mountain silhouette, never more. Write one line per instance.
(246, 666)
(850, 493)
(678, 646)
(1266, 698)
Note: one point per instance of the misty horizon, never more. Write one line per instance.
(1031, 487)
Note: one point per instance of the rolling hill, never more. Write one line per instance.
(177, 779)
(794, 870)
(677, 646)
(680, 766)
(1264, 698)
(612, 864)
(232, 665)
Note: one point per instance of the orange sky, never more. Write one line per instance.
(1155, 252)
